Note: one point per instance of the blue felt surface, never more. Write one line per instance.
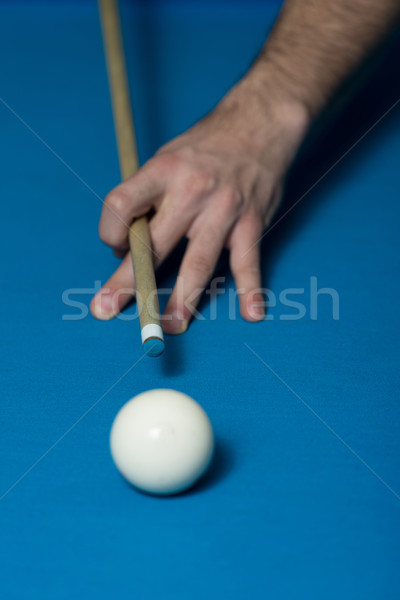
(298, 503)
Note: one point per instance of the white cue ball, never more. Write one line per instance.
(162, 441)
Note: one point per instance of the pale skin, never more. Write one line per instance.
(220, 183)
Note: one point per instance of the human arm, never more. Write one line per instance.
(220, 183)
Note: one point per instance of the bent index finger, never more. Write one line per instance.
(132, 198)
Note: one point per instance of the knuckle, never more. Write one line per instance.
(117, 200)
(200, 265)
(164, 161)
(209, 181)
(231, 200)
(198, 183)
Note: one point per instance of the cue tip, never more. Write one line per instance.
(153, 339)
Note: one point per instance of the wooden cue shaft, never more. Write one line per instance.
(139, 238)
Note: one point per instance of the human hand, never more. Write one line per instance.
(218, 184)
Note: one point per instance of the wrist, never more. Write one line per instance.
(267, 119)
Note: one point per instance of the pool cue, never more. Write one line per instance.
(139, 238)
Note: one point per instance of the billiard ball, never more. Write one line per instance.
(162, 441)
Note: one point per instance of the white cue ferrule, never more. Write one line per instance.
(152, 331)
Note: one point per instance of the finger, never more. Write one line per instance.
(198, 265)
(132, 198)
(245, 266)
(116, 293)
(168, 226)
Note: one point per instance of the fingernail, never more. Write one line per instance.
(103, 305)
(256, 308)
(174, 323)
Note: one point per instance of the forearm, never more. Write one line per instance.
(313, 47)
(316, 44)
